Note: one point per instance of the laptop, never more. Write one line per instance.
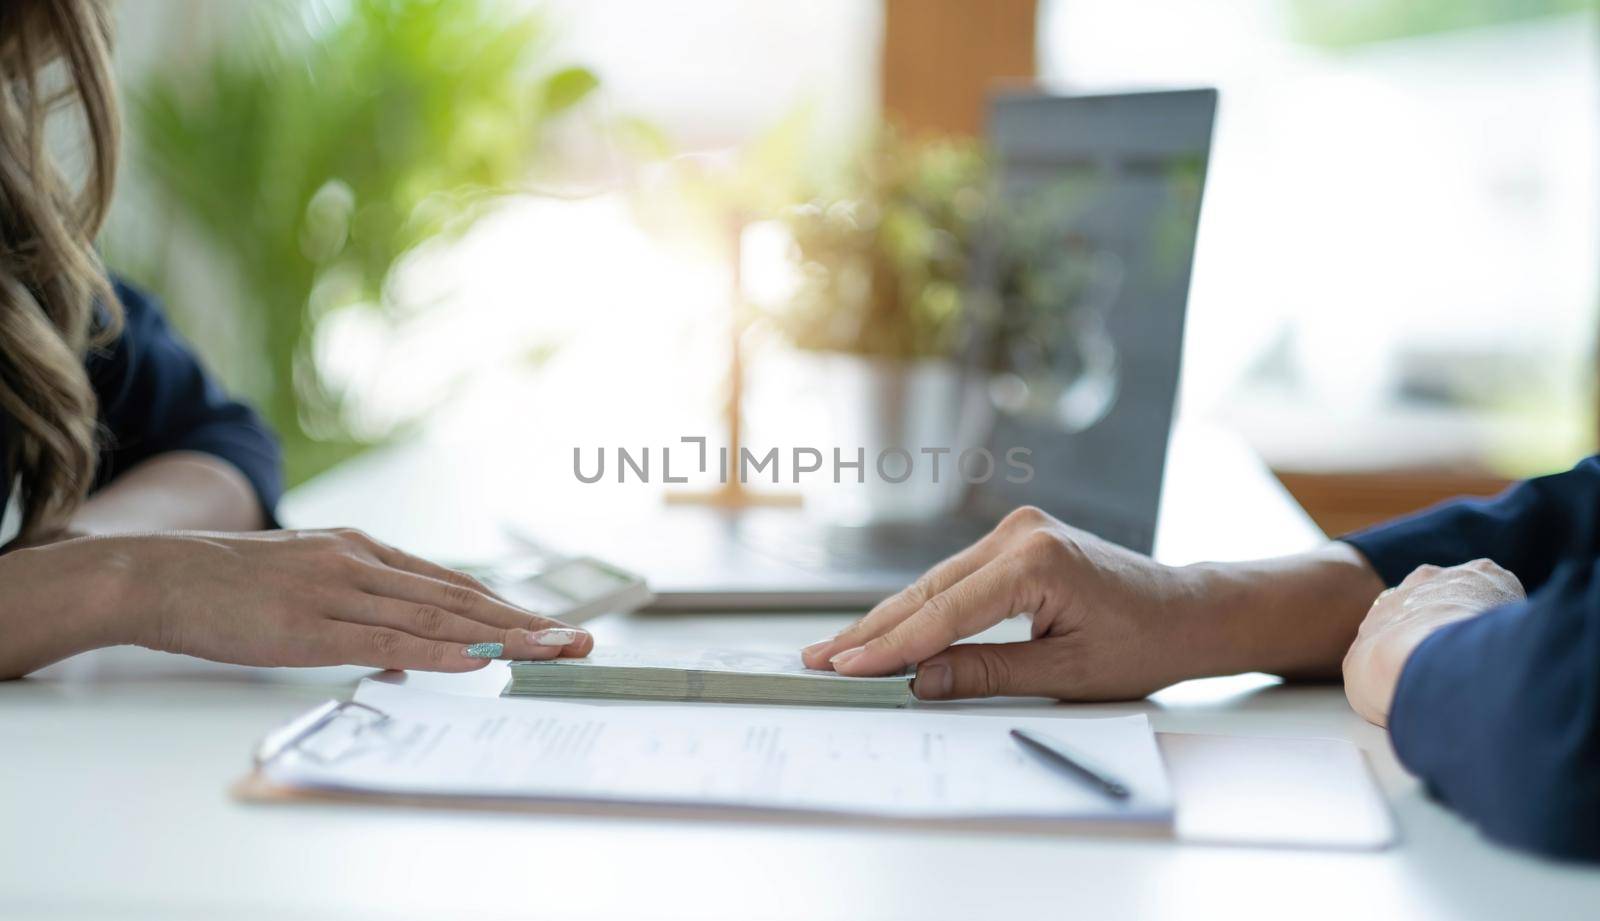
(1128, 171)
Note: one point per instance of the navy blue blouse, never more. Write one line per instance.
(1499, 714)
(155, 398)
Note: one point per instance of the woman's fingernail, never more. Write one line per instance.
(484, 650)
(844, 658)
(555, 636)
(818, 646)
(933, 682)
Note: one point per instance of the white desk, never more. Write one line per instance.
(114, 768)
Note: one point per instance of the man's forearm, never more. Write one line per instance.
(182, 490)
(1293, 616)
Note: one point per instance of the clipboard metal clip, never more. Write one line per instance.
(291, 736)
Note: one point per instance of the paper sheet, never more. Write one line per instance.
(911, 764)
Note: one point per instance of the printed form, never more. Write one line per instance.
(902, 764)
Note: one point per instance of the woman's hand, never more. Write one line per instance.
(317, 598)
(1402, 617)
(1107, 623)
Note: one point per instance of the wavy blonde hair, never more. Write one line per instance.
(55, 298)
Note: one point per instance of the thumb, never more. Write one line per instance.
(1027, 669)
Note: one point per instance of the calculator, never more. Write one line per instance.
(569, 589)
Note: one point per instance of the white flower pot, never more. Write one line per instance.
(884, 412)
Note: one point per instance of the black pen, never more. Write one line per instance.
(1052, 752)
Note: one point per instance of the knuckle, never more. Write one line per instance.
(1025, 516)
(938, 610)
(385, 644)
(1042, 548)
(429, 620)
(341, 567)
(1421, 573)
(918, 593)
(460, 597)
(363, 542)
(993, 673)
(460, 579)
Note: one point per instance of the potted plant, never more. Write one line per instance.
(883, 260)
(309, 155)
(929, 299)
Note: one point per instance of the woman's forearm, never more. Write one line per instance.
(61, 599)
(182, 490)
(61, 592)
(1293, 616)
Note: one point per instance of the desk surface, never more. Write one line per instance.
(115, 765)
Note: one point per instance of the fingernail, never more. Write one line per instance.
(533, 652)
(844, 658)
(484, 650)
(933, 682)
(555, 636)
(818, 646)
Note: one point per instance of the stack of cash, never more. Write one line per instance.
(712, 675)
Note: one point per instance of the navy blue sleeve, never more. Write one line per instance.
(1529, 529)
(1500, 717)
(156, 398)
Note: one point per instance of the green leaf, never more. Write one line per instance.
(308, 155)
(567, 87)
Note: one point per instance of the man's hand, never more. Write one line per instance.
(1407, 614)
(1107, 623)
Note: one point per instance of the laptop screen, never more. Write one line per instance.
(1086, 280)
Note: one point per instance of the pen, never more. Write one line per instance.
(1053, 752)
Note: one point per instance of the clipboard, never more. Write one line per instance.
(1257, 791)
(337, 727)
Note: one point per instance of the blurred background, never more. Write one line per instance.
(392, 222)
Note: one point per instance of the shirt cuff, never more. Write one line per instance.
(1424, 733)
